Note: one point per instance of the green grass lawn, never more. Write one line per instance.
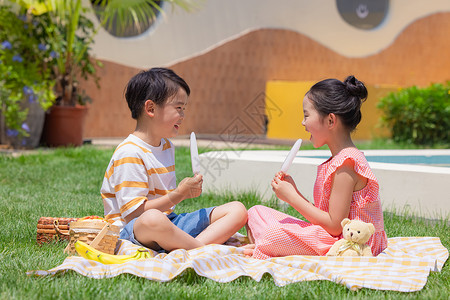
(66, 183)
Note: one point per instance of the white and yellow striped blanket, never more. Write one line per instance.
(403, 266)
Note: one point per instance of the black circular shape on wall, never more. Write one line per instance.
(363, 14)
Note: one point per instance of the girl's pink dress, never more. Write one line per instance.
(278, 234)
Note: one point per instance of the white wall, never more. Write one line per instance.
(420, 190)
(181, 35)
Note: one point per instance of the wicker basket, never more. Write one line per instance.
(53, 229)
(101, 235)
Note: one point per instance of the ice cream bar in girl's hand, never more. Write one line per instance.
(290, 157)
(195, 160)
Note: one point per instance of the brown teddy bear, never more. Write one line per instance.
(355, 236)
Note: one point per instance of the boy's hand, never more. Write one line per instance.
(191, 187)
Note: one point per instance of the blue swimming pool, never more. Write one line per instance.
(430, 160)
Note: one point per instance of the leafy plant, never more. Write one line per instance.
(25, 76)
(71, 34)
(420, 116)
(135, 17)
(46, 49)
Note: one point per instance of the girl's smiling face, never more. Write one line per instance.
(314, 123)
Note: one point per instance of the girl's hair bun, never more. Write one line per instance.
(355, 87)
(344, 99)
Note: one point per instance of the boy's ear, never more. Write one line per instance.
(149, 108)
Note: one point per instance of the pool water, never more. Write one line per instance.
(429, 160)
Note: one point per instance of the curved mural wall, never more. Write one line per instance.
(228, 73)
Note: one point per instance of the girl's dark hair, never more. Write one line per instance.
(343, 99)
(156, 84)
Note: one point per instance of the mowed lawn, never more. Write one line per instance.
(66, 183)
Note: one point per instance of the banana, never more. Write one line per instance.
(91, 253)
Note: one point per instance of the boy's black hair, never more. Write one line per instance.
(156, 84)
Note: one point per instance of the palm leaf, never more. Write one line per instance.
(125, 15)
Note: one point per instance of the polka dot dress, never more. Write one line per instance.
(278, 234)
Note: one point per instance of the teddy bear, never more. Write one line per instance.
(355, 236)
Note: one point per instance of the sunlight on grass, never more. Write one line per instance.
(66, 183)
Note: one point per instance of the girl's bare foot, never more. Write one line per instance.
(248, 249)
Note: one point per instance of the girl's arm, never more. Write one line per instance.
(343, 185)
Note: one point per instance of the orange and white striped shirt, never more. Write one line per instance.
(136, 173)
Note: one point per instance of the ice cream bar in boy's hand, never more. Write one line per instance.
(290, 157)
(195, 160)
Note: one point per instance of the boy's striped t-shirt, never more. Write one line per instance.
(136, 173)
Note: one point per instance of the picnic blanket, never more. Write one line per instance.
(403, 266)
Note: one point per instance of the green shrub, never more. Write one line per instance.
(420, 116)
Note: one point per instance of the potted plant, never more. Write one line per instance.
(26, 82)
(70, 34)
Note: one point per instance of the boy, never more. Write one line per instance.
(139, 188)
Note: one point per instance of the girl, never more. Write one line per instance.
(345, 186)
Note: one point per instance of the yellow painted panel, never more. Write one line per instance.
(284, 109)
(285, 113)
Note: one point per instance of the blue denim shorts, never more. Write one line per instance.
(192, 223)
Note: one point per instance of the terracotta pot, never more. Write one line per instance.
(64, 126)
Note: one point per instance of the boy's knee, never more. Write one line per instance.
(154, 219)
(238, 209)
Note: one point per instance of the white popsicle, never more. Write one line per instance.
(195, 160)
(290, 157)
